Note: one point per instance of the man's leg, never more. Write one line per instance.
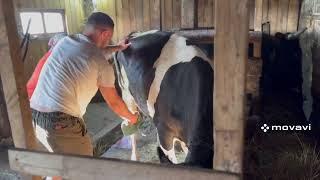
(61, 134)
(70, 138)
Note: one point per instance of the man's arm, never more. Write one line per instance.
(122, 45)
(115, 102)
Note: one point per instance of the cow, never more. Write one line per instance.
(281, 81)
(170, 81)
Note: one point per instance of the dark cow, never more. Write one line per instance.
(168, 80)
(281, 80)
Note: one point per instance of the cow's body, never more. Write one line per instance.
(171, 82)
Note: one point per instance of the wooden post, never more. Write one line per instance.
(4, 120)
(13, 81)
(11, 72)
(230, 59)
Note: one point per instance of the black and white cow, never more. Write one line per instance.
(282, 78)
(168, 80)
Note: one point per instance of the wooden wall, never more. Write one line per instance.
(131, 15)
(283, 15)
(135, 15)
(74, 19)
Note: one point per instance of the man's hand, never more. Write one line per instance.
(134, 118)
(124, 44)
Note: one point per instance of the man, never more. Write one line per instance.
(73, 73)
(32, 83)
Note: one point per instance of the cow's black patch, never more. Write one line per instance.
(183, 110)
(138, 62)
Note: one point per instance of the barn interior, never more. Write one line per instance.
(282, 80)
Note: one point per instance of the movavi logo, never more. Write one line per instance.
(266, 128)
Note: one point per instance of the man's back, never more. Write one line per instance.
(71, 76)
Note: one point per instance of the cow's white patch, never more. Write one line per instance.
(174, 52)
(171, 154)
(126, 95)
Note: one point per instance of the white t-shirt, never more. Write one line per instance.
(71, 77)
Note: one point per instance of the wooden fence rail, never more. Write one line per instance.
(85, 168)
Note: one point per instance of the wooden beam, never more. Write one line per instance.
(12, 76)
(230, 59)
(84, 168)
(11, 72)
(207, 35)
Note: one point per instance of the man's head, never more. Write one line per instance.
(99, 28)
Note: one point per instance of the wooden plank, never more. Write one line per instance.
(283, 15)
(265, 10)
(123, 20)
(201, 7)
(132, 17)
(113, 13)
(162, 18)
(274, 16)
(84, 168)
(155, 15)
(209, 12)
(139, 14)
(176, 14)
(293, 15)
(230, 58)
(187, 13)
(258, 15)
(146, 15)
(12, 77)
(166, 14)
(120, 18)
(251, 13)
(126, 17)
(206, 13)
